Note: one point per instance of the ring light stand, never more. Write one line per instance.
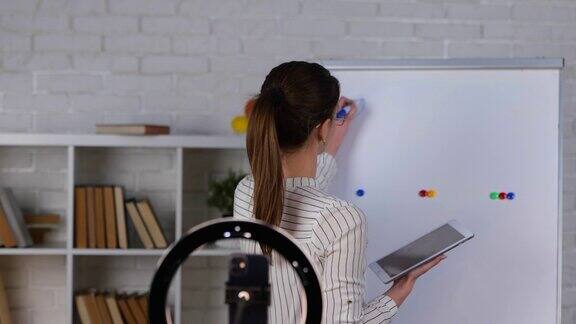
(225, 229)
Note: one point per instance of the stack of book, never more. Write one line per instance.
(96, 307)
(40, 225)
(13, 231)
(100, 219)
(5, 317)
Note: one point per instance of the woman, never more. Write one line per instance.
(292, 120)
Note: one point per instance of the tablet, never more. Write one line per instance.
(420, 251)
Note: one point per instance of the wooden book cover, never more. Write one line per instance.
(103, 309)
(110, 213)
(100, 219)
(82, 309)
(139, 224)
(5, 317)
(91, 213)
(38, 235)
(15, 217)
(125, 310)
(6, 235)
(80, 218)
(152, 224)
(44, 219)
(113, 308)
(135, 309)
(120, 218)
(143, 302)
(92, 307)
(132, 129)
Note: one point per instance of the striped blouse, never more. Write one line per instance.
(332, 232)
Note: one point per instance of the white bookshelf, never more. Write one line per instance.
(74, 145)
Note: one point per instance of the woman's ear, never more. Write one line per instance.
(324, 131)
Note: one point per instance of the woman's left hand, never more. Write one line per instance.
(403, 286)
(338, 131)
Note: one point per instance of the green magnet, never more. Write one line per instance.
(494, 195)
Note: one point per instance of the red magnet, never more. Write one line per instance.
(502, 196)
(422, 193)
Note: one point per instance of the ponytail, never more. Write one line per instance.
(293, 100)
(265, 160)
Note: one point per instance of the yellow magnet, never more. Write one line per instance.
(431, 193)
(239, 124)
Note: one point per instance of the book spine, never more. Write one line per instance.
(91, 217)
(5, 317)
(139, 225)
(100, 220)
(121, 218)
(152, 224)
(80, 221)
(110, 212)
(15, 218)
(6, 235)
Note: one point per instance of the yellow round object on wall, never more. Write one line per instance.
(239, 124)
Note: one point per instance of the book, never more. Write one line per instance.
(113, 308)
(87, 304)
(110, 215)
(99, 216)
(6, 235)
(120, 218)
(5, 317)
(90, 212)
(132, 129)
(125, 310)
(15, 217)
(151, 223)
(93, 307)
(135, 309)
(143, 302)
(80, 218)
(103, 309)
(38, 235)
(139, 224)
(82, 308)
(42, 219)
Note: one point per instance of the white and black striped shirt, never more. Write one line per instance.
(332, 232)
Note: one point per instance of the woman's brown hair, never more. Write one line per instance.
(295, 98)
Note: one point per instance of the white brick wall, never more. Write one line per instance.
(65, 65)
(39, 281)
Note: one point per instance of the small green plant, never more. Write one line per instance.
(221, 192)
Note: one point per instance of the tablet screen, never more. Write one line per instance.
(419, 250)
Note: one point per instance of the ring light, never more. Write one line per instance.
(225, 229)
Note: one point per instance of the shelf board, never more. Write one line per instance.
(133, 252)
(149, 252)
(99, 140)
(32, 251)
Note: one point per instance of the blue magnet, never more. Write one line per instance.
(360, 192)
(510, 196)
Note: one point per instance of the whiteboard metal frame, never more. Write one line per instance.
(446, 64)
(484, 64)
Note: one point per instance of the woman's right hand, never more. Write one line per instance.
(338, 131)
(403, 286)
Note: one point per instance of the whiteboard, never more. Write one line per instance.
(465, 133)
